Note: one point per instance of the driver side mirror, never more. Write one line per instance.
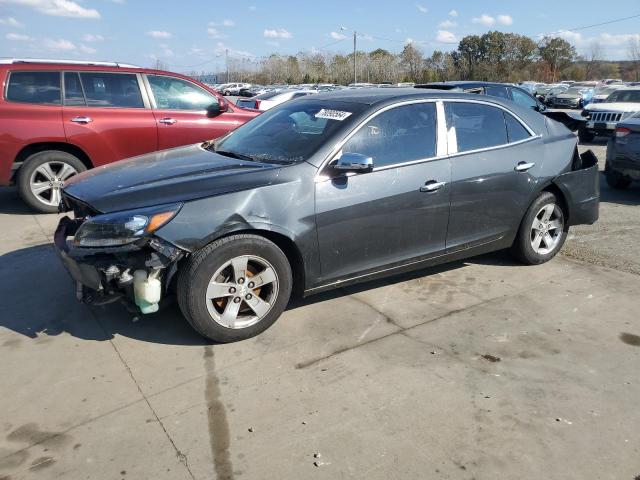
(354, 162)
(216, 109)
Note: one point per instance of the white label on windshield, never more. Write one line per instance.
(332, 114)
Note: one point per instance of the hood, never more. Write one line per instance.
(169, 176)
(614, 107)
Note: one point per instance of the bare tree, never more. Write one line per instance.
(592, 61)
(634, 55)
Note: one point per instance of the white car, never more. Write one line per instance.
(233, 88)
(602, 118)
(271, 99)
(602, 93)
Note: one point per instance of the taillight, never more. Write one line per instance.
(257, 104)
(622, 132)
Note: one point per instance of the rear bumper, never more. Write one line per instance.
(625, 166)
(581, 189)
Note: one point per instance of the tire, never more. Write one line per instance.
(36, 185)
(585, 135)
(215, 319)
(523, 246)
(615, 180)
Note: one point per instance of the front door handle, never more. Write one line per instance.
(167, 121)
(432, 186)
(523, 166)
(83, 120)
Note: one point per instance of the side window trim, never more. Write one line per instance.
(337, 149)
(8, 82)
(451, 140)
(145, 100)
(64, 89)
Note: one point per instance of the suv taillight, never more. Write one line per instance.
(622, 132)
(257, 104)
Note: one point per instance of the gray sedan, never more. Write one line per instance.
(322, 192)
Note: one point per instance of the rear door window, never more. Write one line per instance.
(515, 130)
(103, 89)
(475, 125)
(42, 88)
(401, 134)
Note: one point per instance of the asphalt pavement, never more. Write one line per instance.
(481, 369)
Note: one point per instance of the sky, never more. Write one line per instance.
(195, 34)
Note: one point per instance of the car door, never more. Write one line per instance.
(179, 107)
(394, 213)
(494, 163)
(105, 114)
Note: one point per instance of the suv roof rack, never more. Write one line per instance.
(5, 61)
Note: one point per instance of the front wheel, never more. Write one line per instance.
(542, 232)
(235, 287)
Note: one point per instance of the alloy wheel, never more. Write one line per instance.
(47, 180)
(242, 291)
(547, 229)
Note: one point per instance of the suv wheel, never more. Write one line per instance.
(542, 232)
(42, 176)
(235, 287)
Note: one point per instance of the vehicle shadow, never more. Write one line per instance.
(12, 204)
(40, 301)
(628, 196)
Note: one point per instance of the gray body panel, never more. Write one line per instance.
(351, 226)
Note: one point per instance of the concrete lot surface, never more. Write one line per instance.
(483, 369)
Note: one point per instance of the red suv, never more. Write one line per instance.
(57, 119)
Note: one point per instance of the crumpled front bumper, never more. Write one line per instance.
(104, 275)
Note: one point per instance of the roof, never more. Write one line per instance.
(12, 61)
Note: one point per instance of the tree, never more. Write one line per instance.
(634, 55)
(592, 61)
(468, 56)
(411, 60)
(557, 54)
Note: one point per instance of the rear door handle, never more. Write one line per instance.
(523, 166)
(83, 120)
(432, 186)
(167, 121)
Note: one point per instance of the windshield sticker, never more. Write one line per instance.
(332, 114)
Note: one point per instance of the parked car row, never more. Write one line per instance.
(59, 119)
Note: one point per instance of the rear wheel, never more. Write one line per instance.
(235, 287)
(42, 176)
(542, 232)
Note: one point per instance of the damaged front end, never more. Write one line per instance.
(115, 256)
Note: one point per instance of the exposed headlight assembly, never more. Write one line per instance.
(121, 228)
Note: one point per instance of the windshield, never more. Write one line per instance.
(291, 132)
(574, 91)
(606, 90)
(624, 96)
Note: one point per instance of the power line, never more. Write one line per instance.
(594, 25)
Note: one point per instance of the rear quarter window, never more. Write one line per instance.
(42, 88)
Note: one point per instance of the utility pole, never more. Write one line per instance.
(355, 76)
(226, 60)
